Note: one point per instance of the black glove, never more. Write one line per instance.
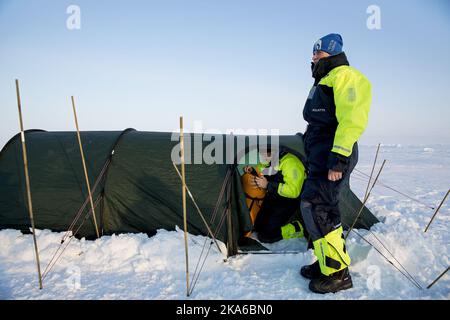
(337, 162)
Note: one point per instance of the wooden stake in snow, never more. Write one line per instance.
(183, 192)
(440, 276)
(27, 182)
(435, 213)
(84, 168)
(371, 172)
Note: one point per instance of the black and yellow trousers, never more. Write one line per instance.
(320, 209)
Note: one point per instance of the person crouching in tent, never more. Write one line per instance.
(273, 199)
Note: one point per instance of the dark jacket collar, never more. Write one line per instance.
(325, 65)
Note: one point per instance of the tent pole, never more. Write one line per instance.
(27, 181)
(231, 247)
(183, 192)
(84, 167)
(435, 213)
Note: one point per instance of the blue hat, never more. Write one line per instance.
(331, 43)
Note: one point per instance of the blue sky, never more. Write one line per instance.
(230, 64)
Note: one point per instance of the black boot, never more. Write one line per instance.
(311, 271)
(340, 280)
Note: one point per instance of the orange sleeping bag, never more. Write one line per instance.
(254, 196)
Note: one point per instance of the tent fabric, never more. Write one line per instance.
(140, 190)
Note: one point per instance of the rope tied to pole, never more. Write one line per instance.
(69, 234)
(57, 256)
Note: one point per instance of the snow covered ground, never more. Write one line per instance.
(133, 266)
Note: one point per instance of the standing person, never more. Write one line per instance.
(337, 111)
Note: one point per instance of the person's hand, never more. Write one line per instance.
(261, 182)
(248, 169)
(334, 175)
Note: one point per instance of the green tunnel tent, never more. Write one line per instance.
(136, 186)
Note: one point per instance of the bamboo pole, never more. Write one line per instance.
(183, 192)
(437, 279)
(27, 182)
(437, 210)
(84, 167)
(371, 172)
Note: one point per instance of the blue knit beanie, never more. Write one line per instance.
(331, 43)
